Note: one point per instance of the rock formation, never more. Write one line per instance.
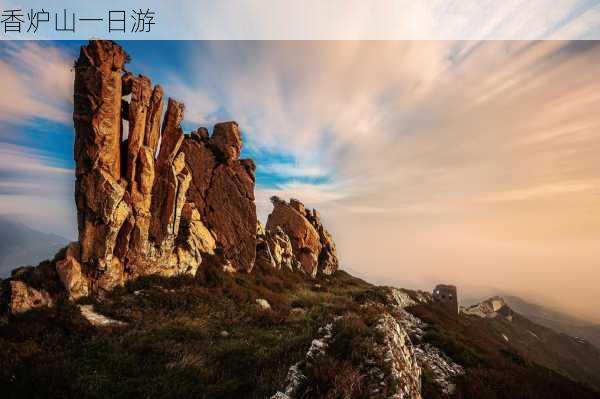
(153, 200)
(144, 214)
(150, 200)
(491, 308)
(312, 245)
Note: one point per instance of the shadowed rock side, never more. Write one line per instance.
(153, 200)
(135, 214)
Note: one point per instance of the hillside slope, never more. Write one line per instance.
(208, 337)
(507, 356)
(556, 320)
(174, 289)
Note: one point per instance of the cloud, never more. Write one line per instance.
(18, 160)
(293, 170)
(430, 162)
(394, 20)
(37, 82)
(35, 190)
(450, 160)
(199, 107)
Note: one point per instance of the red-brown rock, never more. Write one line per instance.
(22, 297)
(231, 213)
(302, 234)
(312, 245)
(227, 140)
(152, 134)
(159, 202)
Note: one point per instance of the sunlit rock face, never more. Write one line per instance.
(153, 200)
(312, 245)
(150, 200)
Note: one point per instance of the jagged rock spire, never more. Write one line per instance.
(135, 215)
(153, 200)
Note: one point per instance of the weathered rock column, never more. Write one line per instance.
(172, 178)
(99, 191)
(222, 190)
(143, 114)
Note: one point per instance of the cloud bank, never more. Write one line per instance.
(465, 162)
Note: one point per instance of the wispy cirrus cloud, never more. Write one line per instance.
(430, 161)
(293, 170)
(19, 160)
(37, 191)
(37, 83)
(479, 155)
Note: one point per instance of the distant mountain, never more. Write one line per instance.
(556, 320)
(571, 356)
(21, 245)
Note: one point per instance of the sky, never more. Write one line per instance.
(463, 162)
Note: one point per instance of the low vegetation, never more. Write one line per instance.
(201, 337)
(492, 368)
(205, 337)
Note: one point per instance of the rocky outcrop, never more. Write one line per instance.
(22, 297)
(296, 378)
(281, 249)
(222, 190)
(443, 370)
(145, 208)
(312, 245)
(490, 308)
(390, 371)
(404, 371)
(152, 200)
(71, 275)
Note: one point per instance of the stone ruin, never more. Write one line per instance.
(153, 200)
(446, 295)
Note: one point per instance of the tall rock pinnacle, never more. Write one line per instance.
(135, 215)
(153, 200)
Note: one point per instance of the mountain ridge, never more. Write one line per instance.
(174, 289)
(21, 245)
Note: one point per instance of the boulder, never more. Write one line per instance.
(263, 304)
(227, 140)
(23, 298)
(71, 275)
